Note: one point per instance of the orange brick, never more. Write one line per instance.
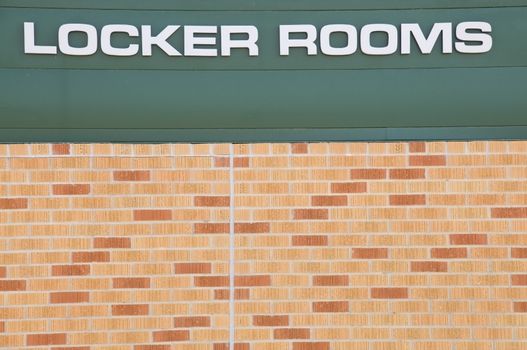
(252, 281)
(331, 280)
(329, 201)
(254, 227)
(91, 256)
(211, 228)
(162, 336)
(310, 214)
(368, 174)
(520, 306)
(389, 293)
(152, 215)
(71, 189)
(70, 270)
(468, 239)
(435, 160)
(449, 253)
(270, 321)
(330, 306)
(311, 346)
(193, 268)
(13, 203)
(417, 147)
(112, 242)
(152, 347)
(369, 253)
(407, 174)
(225, 346)
(291, 333)
(211, 201)
(519, 280)
(429, 266)
(224, 162)
(348, 187)
(69, 297)
(194, 321)
(60, 149)
(298, 148)
(310, 240)
(239, 294)
(519, 253)
(130, 310)
(509, 213)
(132, 282)
(46, 339)
(131, 175)
(12, 285)
(211, 281)
(408, 199)
(3, 272)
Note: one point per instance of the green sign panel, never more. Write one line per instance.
(163, 71)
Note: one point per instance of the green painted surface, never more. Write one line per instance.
(264, 98)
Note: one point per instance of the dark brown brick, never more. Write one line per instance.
(298, 148)
(130, 309)
(429, 266)
(211, 228)
(348, 187)
(12, 285)
(329, 201)
(330, 306)
(310, 240)
(270, 321)
(252, 227)
(291, 333)
(369, 253)
(519, 280)
(509, 213)
(389, 293)
(112, 242)
(368, 174)
(310, 214)
(193, 268)
(468, 239)
(436, 160)
(252, 281)
(69, 297)
(239, 294)
(407, 174)
(46, 339)
(520, 306)
(519, 253)
(331, 280)
(131, 282)
(13, 203)
(449, 253)
(191, 321)
(179, 335)
(152, 215)
(71, 189)
(407, 199)
(131, 175)
(91, 256)
(311, 346)
(211, 201)
(70, 270)
(60, 148)
(417, 147)
(211, 281)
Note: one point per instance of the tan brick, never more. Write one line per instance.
(239, 294)
(130, 310)
(211, 228)
(253, 227)
(468, 239)
(70, 270)
(428, 160)
(132, 282)
(291, 333)
(192, 321)
(152, 215)
(325, 201)
(152, 347)
(331, 280)
(330, 306)
(211, 281)
(270, 321)
(112, 242)
(131, 175)
(301, 240)
(310, 214)
(69, 297)
(348, 187)
(429, 266)
(100, 256)
(389, 293)
(449, 253)
(252, 281)
(407, 174)
(165, 336)
(370, 253)
(211, 201)
(410, 199)
(71, 189)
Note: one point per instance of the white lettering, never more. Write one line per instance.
(426, 44)
(365, 39)
(227, 43)
(325, 39)
(106, 36)
(160, 40)
(29, 42)
(309, 42)
(485, 40)
(64, 39)
(191, 40)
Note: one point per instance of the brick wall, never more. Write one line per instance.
(336, 246)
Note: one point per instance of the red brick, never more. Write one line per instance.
(520, 306)
(191, 321)
(2, 326)
(46, 339)
(225, 346)
(468, 239)
(70, 270)
(152, 347)
(407, 199)
(180, 335)
(3, 272)
(291, 333)
(132, 282)
(252, 281)
(60, 148)
(348, 187)
(298, 148)
(130, 309)
(211, 201)
(509, 213)
(270, 321)
(310, 214)
(112, 242)
(429, 266)
(310, 240)
(330, 306)
(13, 203)
(211, 228)
(211, 281)
(331, 280)
(407, 174)
(69, 297)
(152, 215)
(519, 280)
(436, 160)
(417, 147)
(253, 227)
(239, 294)
(91, 256)
(12, 285)
(449, 253)
(311, 346)
(193, 268)
(131, 175)
(329, 201)
(389, 293)
(369, 253)
(71, 189)
(238, 162)
(368, 174)
(519, 253)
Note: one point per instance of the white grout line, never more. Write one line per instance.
(231, 247)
